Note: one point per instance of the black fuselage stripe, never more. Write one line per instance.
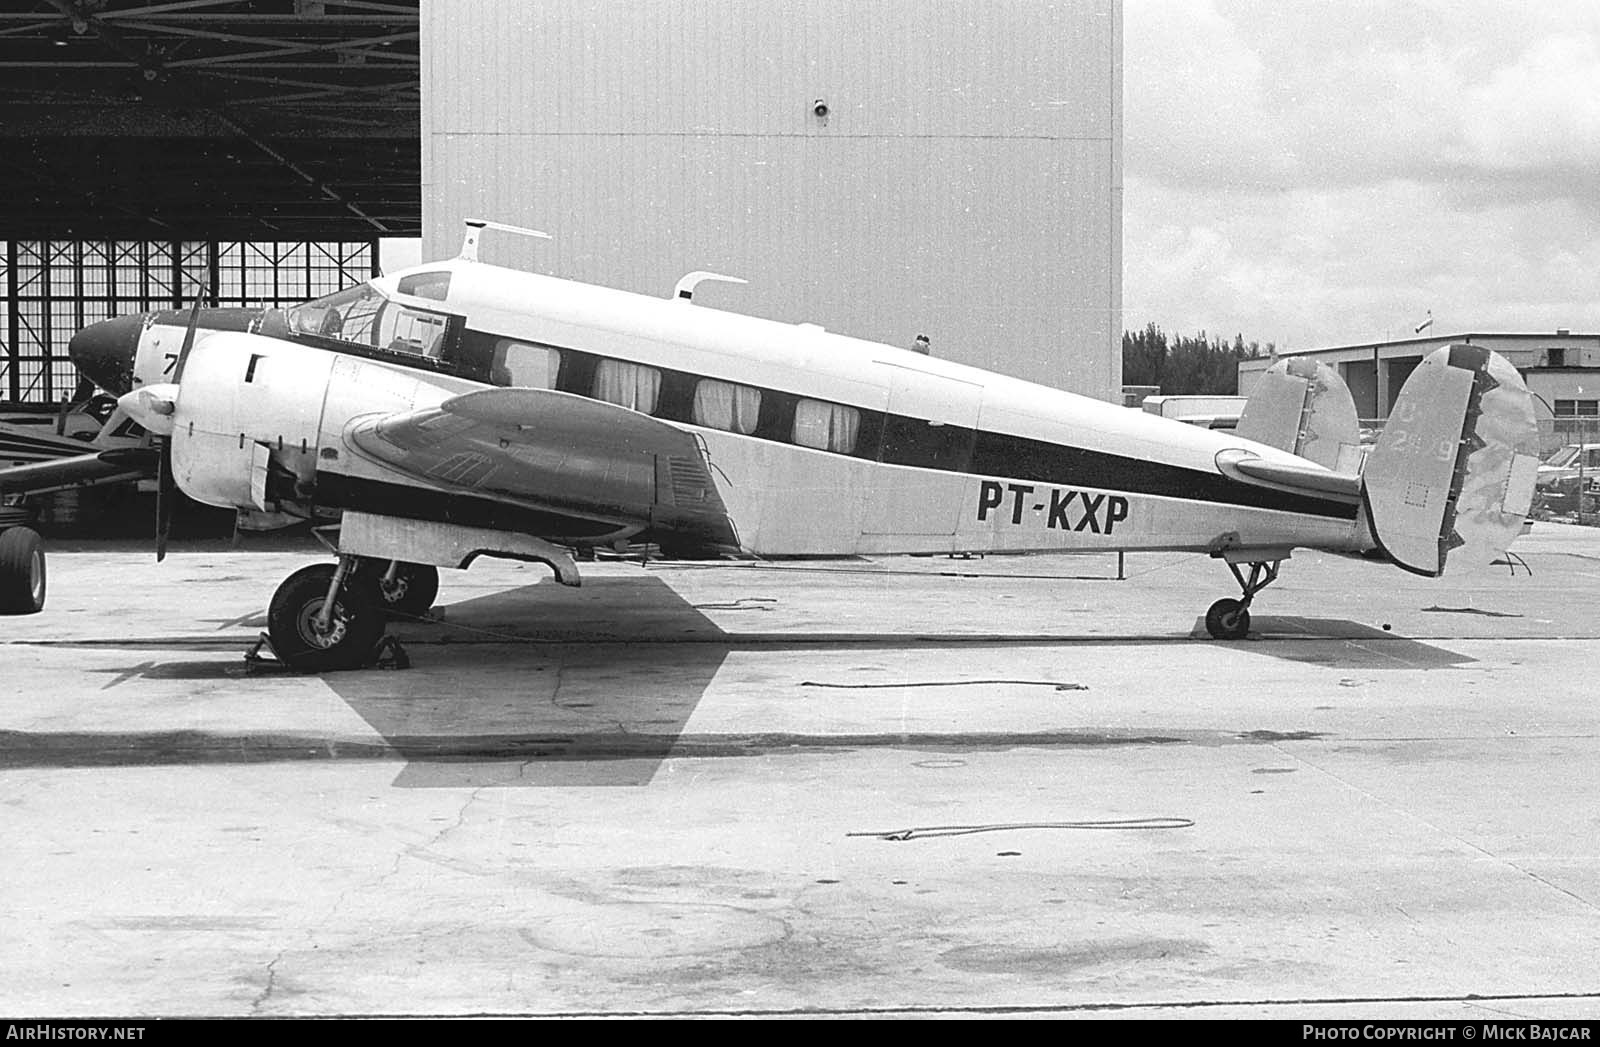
(890, 438)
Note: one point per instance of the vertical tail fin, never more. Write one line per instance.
(1452, 475)
(1303, 407)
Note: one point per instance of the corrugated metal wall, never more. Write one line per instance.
(966, 181)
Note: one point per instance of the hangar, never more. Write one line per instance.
(897, 171)
(883, 170)
(948, 170)
(257, 150)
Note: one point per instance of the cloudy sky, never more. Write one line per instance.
(1310, 172)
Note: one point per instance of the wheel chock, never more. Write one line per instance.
(388, 654)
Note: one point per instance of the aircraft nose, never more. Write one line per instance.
(104, 352)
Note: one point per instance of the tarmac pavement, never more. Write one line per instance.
(909, 786)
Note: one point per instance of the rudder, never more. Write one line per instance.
(1451, 477)
(1302, 406)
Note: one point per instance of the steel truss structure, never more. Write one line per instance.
(55, 288)
(200, 119)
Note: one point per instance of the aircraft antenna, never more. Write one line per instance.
(475, 228)
(684, 292)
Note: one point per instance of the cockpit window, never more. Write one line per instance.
(362, 316)
(346, 315)
(426, 285)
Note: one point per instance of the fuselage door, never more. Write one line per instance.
(928, 436)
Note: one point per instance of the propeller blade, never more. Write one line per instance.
(166, 490)
(188, 337)
(166, 486)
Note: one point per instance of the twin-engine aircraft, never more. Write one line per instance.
(460, 409)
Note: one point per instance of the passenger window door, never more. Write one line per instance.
(403, 329)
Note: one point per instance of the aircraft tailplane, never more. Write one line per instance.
(1302, 406)
(1452, 474)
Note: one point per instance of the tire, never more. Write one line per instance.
(355, 629)
(411, 593)
(22, 577)
(1228, 620)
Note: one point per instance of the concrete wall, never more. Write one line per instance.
(966, 182)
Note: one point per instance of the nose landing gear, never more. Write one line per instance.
(1230, 619)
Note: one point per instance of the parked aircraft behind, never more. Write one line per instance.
(460, 409)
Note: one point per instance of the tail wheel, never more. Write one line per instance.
(304, 641)
(1228, 620)
(21, 572)
(409, 593)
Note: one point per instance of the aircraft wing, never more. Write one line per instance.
(80, 470)
(560, 453)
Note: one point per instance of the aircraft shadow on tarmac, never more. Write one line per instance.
(542, 685)
(623, 663)
(1341, 644)
(600, 698)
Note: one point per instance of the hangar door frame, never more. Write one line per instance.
(55, 288)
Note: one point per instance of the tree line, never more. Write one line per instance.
(1186, 365)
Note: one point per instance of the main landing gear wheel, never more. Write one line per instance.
(21, 572)
(303, 639)
(406, 589)
(1228, 620)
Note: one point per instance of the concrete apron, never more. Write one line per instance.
(905, 786)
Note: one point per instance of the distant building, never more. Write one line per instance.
(1562, 371)
(1134, 395)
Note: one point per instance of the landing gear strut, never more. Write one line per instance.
(326, 617)
(1230, 619)
(407, 589)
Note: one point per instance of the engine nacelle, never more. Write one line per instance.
(244, 404)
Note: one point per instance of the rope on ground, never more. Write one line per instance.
(927, 831)
(945, 683)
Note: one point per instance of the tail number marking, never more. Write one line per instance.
(1061, 509)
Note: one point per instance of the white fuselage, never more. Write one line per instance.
(942, 457)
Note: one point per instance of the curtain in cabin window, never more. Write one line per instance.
(631, 385)
(827, 427)
(723, 405)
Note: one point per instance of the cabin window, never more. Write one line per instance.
(426, 285)
(630, 385)
(827, 427)
(723, 405)
(524, 365)
(405, 330)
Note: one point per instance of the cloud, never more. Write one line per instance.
(1319, 267)
(1540, 113)
(1269, 97)
(1323, 174)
